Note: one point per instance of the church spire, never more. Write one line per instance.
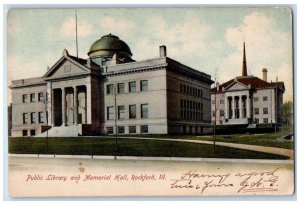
(244, 68)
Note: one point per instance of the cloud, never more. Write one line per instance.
(116, 26)
(68, 28)
(183, 39)
(266, 46)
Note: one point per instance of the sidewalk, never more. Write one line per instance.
(271, 150)
(174, 159)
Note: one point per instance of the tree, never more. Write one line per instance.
(288, 111)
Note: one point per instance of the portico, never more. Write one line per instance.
(69, 105)
(237, 108)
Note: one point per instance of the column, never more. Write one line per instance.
(248, 106)
(226, 109)
(233, 107)
(63, 106)
(88, 104)
(240, 106)
(75, 98)
(52, 109)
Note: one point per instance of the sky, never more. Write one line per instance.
(207, 39)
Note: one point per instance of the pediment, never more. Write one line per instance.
(66, 67)
(237, 86)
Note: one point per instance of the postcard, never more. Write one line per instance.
(150, 101)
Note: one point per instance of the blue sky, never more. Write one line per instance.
(206, 39)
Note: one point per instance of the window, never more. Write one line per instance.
(132, 129)
(33, 118)
(121, 88)
(144, 85)
(265, 110)
(110, 89)
(110, 113)
(32, 97)
(40, 97)
(32, 132)
(144, 111)
(256, 120)
(221, 113)
(181, 88)
(221, 101)
(41, 117)
(110, 130)
(121, 129)
(25, 118)
(213, 113)
(266, 120)
(265, 98)
(256, 111)
(144, 128)
(121, 112)
(256, 98)
(24, 133)
(132, 87)
(132, 111)
(25, 98)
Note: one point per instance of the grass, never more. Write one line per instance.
(128, 147)
(265, 139)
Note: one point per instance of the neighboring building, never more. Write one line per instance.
(81, 97)
(247, 100)
(9, 119)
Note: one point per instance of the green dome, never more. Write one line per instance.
(109, 45)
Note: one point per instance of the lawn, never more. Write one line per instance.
(266, 139)
(128, 147)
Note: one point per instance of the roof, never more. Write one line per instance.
(253, 81)
(82, 61)
(28, 82)
(110, 43)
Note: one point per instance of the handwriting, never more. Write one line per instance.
(241, 182)
(258, 181)
(194, 180)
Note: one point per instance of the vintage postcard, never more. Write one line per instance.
(150, 101)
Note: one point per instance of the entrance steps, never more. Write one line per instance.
(62, 131)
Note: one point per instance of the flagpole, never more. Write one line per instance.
(76, 33)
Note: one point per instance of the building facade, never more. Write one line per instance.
(110, 92)
(247, 100)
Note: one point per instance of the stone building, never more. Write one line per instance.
(111, 92)
(247, 100)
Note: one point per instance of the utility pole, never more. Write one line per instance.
(276, 111)
(116, 126)
(46, 116)
(215, 112)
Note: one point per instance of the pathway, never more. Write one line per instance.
(272, 150)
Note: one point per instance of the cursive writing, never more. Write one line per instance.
(241, 182)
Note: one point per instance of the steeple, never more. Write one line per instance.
(244, 68)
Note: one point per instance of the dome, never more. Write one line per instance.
(108, 45)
